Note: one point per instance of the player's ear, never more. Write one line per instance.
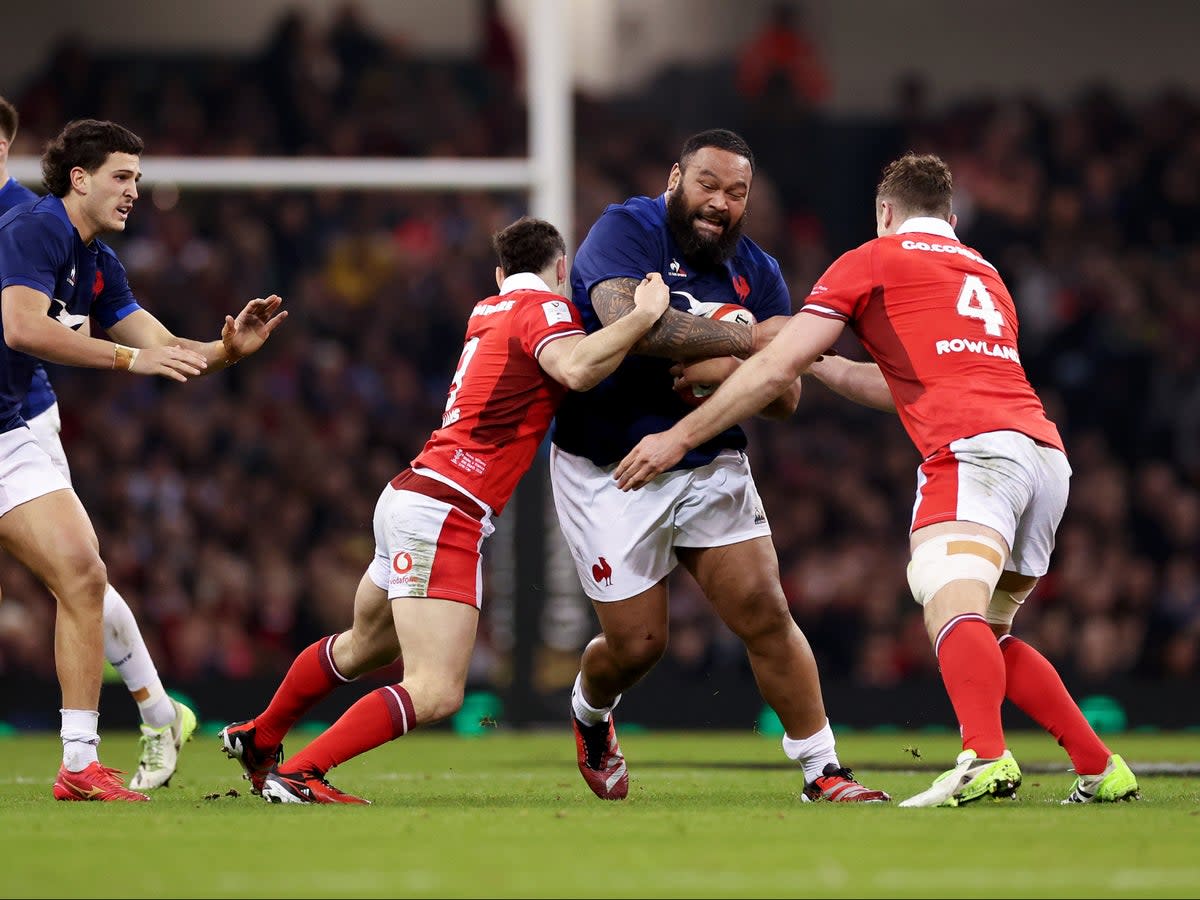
(673, 178)
(953, 220)
(560, 270)
(499, 277)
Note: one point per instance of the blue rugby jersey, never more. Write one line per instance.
(41, 249)
(627, 241)
(41, 395)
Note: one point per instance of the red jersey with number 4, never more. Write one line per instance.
(939, 321)
(501, 401)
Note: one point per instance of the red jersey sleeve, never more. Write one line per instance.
(546, 320)
(843, 291)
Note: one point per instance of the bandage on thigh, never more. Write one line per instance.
(954, 557)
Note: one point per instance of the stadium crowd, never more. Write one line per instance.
(232, 512)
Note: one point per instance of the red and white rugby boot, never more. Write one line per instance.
(837, 785)
(237, 740)
(600, 760)
(308, 786)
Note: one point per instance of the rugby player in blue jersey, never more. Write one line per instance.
(166, 723)
(54, 274)
(705, 513)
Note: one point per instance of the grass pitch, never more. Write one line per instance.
(507, 815)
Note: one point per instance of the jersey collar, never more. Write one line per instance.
(928, 225)
(523, 281)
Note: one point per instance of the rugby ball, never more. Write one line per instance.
(696, 394)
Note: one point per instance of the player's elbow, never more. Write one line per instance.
(19, 336)
(779, 410)
(885, 403)
(581, 378)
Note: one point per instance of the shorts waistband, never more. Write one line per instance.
(408, 480)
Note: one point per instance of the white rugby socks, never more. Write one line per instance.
(813, 753)
(125, 648)
(79, 738)
(585, 712)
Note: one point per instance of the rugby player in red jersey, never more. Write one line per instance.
(419, 599)
(993, 483)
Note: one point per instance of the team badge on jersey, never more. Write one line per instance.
(556, 311)
(742, 287)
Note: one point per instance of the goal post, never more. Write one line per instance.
(521, 591)
(318, 172)
(545, 173)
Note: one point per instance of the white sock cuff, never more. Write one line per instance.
(80, 725)
(803, 748)
(584, 711)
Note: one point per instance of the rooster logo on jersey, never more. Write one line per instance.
(742, 287)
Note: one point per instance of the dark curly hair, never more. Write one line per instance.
(527, 245)
(85, 143)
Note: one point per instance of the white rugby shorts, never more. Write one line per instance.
(1004, 480)
(428, 538)
(26, 470)
(624, 542)
(47, 428)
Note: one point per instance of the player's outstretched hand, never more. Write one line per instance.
(654, 454)
(253, 325)
(174, 362)
(652, 296)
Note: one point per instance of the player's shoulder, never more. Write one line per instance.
(555, 306)
(41, 224)
(512, 301)
(46, 213)
(863, 254)
(15, 194)
(521, 311)
(16, 212)
(644, 212)
(754, 256)
(11, 214)
(922, 247)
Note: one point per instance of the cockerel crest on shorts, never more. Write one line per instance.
(602, 571)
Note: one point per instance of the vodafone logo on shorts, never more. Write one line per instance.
(402, 563)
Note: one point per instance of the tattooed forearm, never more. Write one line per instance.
(677, 335)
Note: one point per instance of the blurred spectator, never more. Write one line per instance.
(780, 64)
(1090, 210)
(499, 53)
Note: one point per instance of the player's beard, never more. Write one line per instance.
(698, 249)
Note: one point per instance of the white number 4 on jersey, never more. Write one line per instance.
(975, 302)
